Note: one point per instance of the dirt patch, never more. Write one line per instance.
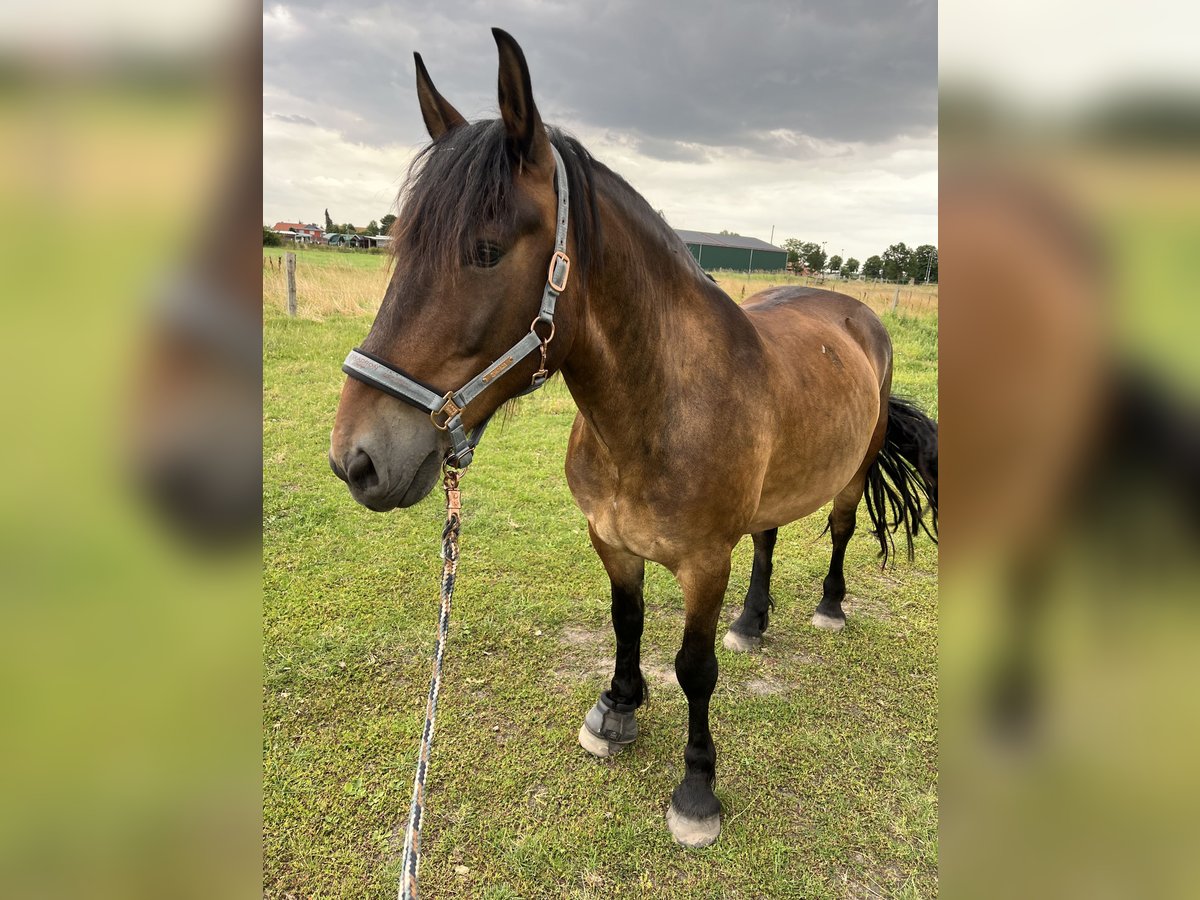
(588, 656)
(875, 882)
(656, 673)
(764, 687)
(580, 636)
(872, 609)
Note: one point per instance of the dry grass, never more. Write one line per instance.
(349, 283)
(914, 298)
(328, 283)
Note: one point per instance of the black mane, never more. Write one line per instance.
(462, 180)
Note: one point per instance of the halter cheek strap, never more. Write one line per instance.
(446, 410)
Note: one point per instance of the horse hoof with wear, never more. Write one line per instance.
(694, 833)
(740, 643)
(828, 623)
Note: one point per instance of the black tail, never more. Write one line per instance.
(904, 477)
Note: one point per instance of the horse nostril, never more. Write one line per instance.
(337, 470)
(360, 471)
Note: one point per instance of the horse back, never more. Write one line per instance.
(784, 315)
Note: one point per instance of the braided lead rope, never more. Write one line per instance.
(411, 862)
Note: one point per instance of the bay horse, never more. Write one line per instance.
(699, 420)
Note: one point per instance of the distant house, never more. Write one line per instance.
(358, 240)
(300, 233)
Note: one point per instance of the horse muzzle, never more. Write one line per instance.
(389, 455)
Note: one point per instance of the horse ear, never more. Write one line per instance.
(437, 112)
(526, 136)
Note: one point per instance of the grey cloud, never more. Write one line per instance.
(676, 76)
(293, 119)
(671, 151)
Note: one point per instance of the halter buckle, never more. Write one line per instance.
(559, 286)
(449, 408)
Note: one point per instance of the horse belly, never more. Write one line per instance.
(801, 479)
(782, 502)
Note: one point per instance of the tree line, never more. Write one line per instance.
(373, 227)
(271, 239)
(898, 262)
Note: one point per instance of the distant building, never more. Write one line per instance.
(730, 251)
(301, 233)
(358, 240)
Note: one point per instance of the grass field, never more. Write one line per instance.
(827, 743)
(342, 282)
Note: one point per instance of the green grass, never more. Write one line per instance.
(827, 744)
(332, 257)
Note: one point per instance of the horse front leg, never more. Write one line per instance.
(610, 726)
(694, 816)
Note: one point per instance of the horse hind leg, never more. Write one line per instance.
(829, 614)
(745, 634)
(610, 726)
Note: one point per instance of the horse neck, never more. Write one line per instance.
(649, 314)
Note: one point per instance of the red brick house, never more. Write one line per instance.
(304, 234)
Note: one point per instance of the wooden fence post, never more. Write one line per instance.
(291, 279)
(895, 300)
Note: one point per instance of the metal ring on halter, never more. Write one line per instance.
(542, 373)
(533, 328)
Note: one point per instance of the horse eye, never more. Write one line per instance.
(486, 254)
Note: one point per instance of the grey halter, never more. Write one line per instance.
(446, 410)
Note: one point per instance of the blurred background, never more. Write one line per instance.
(130, 179)
(129, 639)
(1070, 237)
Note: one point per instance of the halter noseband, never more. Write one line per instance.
(446, 411)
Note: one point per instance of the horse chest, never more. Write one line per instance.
(628, 523)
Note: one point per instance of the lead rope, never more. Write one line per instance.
(411, 862)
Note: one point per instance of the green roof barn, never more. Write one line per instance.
(729, 251)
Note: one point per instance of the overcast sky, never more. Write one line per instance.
(817, 117)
